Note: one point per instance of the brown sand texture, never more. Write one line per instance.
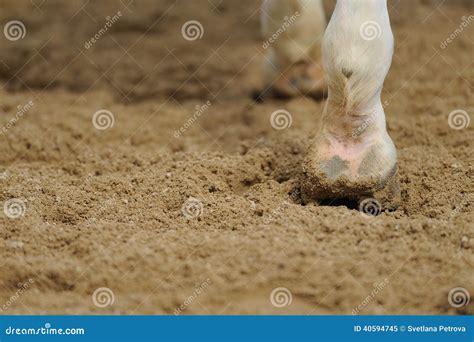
(184, 199)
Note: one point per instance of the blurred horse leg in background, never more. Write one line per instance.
(292, 31)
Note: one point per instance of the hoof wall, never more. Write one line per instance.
(372, 196)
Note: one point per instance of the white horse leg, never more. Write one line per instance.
(353, 156)
(292, 32)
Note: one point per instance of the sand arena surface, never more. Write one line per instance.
(189, 206)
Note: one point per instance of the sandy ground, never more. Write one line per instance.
(190, 207)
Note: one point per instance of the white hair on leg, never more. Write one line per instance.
(357, 54)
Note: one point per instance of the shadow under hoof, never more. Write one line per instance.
(338, 202)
